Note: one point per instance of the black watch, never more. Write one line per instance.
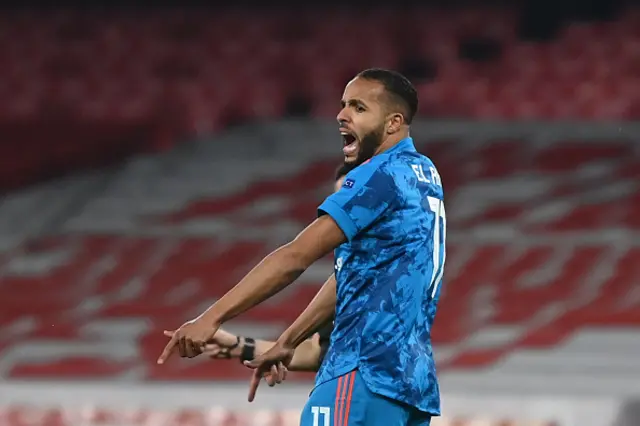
(248, 349)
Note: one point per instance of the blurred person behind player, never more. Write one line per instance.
(387, 227)
(307, 357)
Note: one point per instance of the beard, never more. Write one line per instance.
(368, 146)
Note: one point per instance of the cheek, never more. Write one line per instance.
(366, 126)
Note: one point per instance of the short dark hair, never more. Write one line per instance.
(343, 169)
(398, 87)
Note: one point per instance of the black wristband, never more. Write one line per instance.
(248, 350)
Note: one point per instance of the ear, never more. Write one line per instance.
(396, 120)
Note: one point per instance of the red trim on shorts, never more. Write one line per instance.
(338, 405)
(351, 378)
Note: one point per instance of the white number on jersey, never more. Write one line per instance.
(439, 242)
(326, 415)
(419, 171)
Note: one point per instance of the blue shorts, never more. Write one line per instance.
(347, 401)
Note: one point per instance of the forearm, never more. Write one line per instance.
(262, 346)
(318, 312)
(306, 356)
(273, 274)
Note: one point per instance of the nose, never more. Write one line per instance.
(342, 116)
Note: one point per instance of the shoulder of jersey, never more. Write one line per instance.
(424, 159)
(403, 163)
(367, 168)
(418, 155)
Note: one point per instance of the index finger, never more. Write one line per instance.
(253, 386)
(169, 349)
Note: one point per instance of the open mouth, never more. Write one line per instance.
(350, 143)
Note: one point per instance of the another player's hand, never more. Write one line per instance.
(272, 365)
(223, 345)
(190, 339)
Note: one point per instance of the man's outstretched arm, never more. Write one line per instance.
(279, 269)
(273, 274)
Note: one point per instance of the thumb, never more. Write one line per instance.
(253, 364)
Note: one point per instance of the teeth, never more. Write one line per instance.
(344, 133)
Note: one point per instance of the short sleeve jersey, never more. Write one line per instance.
(388, 273)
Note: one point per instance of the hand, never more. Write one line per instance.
(224, 345)
(272, 365)
(190, 339)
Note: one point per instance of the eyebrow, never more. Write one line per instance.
(353, 102)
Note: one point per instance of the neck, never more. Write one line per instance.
(392, 140)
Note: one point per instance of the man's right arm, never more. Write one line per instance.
(318, 313)
(321, 309)
(307, 356)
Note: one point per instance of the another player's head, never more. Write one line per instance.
(377, 108)
(341, 172)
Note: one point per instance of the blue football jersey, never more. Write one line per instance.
(389, 275)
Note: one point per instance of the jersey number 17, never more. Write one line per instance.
(436, 206)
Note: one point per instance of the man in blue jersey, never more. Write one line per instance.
(387, 227)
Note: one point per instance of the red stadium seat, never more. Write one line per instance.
(181, 58)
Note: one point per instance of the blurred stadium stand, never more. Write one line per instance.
(143, 78)
(533, 128)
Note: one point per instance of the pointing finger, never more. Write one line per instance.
(253, 386)
(168, 350)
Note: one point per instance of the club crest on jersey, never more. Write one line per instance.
(348, 183)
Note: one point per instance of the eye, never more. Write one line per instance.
(360, 108)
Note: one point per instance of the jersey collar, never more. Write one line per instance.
(405, 144)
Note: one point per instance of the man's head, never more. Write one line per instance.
(341, 172)
(377, 108)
